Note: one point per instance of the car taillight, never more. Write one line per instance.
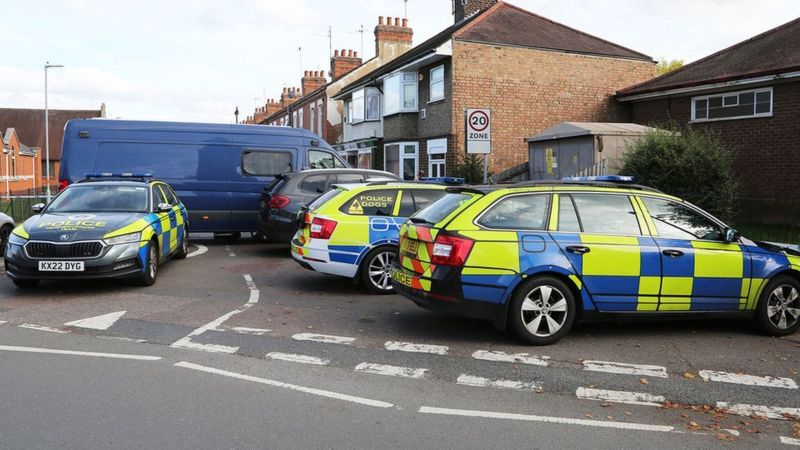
(450, 250)
(322, 228)
(279, 201)
(62, 184)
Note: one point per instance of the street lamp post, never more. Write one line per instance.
(47, 65)
(236, 113)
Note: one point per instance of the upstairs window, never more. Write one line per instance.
(400, 93)
(732, 105)
(437, 84)
(365, 105)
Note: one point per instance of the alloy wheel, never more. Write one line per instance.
(380, 270)
(152, 264)
(783, 306)
(544, 311)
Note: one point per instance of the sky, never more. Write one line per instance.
(198, 60)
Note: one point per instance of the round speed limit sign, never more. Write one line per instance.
(479, 130)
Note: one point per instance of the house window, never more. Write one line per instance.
(313, 117)
(732, 105)
(400, 93)
(437, 150)
(294, 119)
(357, 107)
(13, 166)
(437, 84)
(320, 118)
(373, 104)
(402, 159)
(300, 119)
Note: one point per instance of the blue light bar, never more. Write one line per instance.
(606, 178)
(445, 180)
(118, 175)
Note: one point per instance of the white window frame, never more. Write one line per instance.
(722, 95)
(431, 82)
(401, 83)
(300, 118)
(362, 97)
(437, 147)
(320, 117)
(403, 156)
(312, 112)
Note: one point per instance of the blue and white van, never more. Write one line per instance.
(218, 170)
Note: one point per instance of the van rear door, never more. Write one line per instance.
(257, 168)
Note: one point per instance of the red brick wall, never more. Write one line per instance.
(767, 151)
(530, 90)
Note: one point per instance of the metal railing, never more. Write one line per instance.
(19, 207)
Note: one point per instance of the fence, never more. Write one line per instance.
(20, 206)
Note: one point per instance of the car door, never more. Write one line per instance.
(701, 272)
(604, 239)
(165, 227)
(178, 216)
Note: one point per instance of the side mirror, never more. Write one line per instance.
(37, 208)
(731, 235)
(163, 207)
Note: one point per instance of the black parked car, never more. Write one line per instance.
(282, 199)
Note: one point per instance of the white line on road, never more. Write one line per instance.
(790, 441)
(230, 251)
(2, 322)
(324, 338)
(547, 419)
(31, 326)
(10, 348)
(103, 322)
(626, 369)
(521, 358)
(629, 398)
(392, 371)
(280, 384)
(750, 380)
(304, 359)
(186, 341)
(469, 380)
(415, 348)
(200, 250)
(771, 412)
(253, 331)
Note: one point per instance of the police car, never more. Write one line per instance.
(537, 257)
(105, 226)
(352, 230)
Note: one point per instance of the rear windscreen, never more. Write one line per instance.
(440, 209)
(322, 199)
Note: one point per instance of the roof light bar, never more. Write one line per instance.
(118, 175)
(444, 180)
(603, 178)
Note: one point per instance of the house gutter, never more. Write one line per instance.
(706, 87)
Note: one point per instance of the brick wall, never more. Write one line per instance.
(529, 90)
(767, 151)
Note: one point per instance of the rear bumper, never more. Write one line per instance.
(318, 260)
(278, 229)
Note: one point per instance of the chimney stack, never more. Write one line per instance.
(343, 62)
(463, 9)
(392, 38)
(312, 80)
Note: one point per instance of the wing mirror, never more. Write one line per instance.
(37, 208)
(731, 235)
(163, 207)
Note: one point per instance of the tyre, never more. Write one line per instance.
(778, 311)
(26, 284)
(376, 270)
(5, 232)
(542, 311)
(183, 250)
(150, 273)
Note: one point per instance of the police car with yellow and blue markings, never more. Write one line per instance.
(536, 257)
(352, 230)
(105, 226)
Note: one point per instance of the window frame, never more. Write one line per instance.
(441, 163)
(402, 156)
(431, 82)
(545, 222)
(722, 95)
(400, 93)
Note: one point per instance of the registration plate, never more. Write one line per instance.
(61, 266)
(401, 278)
(409, 247)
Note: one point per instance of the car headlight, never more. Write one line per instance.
(16, 239)
(124, 239)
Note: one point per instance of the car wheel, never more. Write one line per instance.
(183, 251)
(542, 310)
(26, 284)
(5, 232)
(376, 270)
(778, 311)
(150, 273)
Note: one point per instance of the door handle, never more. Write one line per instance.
(672, 253)
(578, 249)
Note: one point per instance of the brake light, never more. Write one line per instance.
(279, 201)
(451, 250)
(322, 228)
(62, 184)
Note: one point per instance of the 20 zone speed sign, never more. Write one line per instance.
(479, 131)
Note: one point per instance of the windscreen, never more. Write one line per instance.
(438, 210)
(100, 198)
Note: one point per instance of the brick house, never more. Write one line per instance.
(20, 169)
(530, 71)
(750, 94)
(28, 125)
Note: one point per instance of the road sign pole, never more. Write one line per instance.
(485, 168)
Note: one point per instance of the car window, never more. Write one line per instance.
(424, 197)
(266, 163)
(322, 199)
(344, 178)
(606, 214)
(407, 204)
(371, 203)
(440, 209)
(314, 183)
(676, 221)
(171, 195)
(567, 217)
(158, 196)
(323, 160)
(518, 212)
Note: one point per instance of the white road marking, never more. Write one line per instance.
(253, 331)
(186, 341)
(771, 412)
(304, 359)
(103, 322)
(324, 338)
(392, 371)
(750, 380)
(790, 441)
(2, 322)
(469, 380)
(415, 348)
(230, 251)
(521, 358)
(200, 250)
(732, 432)
(630, 398)
(51, 351)
(547, 419)
(280, 384)
(626, 369)
(31, 326)
(119, 338)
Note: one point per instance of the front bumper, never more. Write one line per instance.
(115, 261)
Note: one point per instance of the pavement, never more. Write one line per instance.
(237, 346)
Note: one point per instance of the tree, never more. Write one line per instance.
(666, 66)
(692, 164)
